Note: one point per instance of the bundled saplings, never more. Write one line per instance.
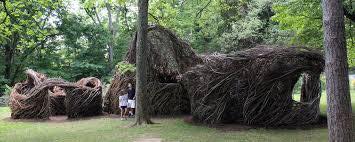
(86, 99)
(39, 97)
(168, 58)
(255, 87)
(57, 96)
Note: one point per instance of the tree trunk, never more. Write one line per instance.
(112, 36)
(125, 11)
(8, 61)
(336, 69)
(9, 55)
(97, 16)
(142, 114)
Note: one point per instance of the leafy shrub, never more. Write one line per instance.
(4, 88)
(124, 67)
(7, 89)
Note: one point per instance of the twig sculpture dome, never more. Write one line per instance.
(168, 58)
(39, 97)
(255, 87)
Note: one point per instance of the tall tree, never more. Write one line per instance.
(24, 28)
(336, 69)
(142, 114)
(112, 35)
(92, 8)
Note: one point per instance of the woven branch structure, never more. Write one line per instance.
(253, 87)
(39, 97)
(168, 58)
(256, 87)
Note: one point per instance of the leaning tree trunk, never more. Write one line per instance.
(339, 106)
(142, 114)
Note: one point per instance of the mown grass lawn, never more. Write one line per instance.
(109, 129)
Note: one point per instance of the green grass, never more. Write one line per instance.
(107, 129)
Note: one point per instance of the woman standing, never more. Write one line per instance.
(123, 101)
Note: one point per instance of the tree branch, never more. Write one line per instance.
(198, 15)
(125, 11)
(13, 19)
(90, 15)
(154, 17)
(97, 16)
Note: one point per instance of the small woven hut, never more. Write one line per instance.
(39, 98)
(168, 58)
(255, 87)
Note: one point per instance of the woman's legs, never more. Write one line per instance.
(125, 113)
(122, 113)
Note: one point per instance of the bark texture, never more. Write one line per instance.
(336, 69)
(142, 115)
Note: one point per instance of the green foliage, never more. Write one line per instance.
(47, 36)
(124, 67)
(216, 25)
(195, 21)
(249, 27)
(59, 43)
(25, 27)
(7, 89)
(303, 19)
(85, 48)
(4, 88)
(351, 45)
(24, 22)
